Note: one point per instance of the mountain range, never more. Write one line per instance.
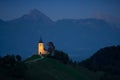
(80, 38)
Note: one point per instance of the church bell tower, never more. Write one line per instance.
(41, 50)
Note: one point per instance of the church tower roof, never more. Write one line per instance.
(40, 41)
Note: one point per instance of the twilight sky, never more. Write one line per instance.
(59, 9)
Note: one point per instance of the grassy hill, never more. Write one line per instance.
(50, 69)
(107, 60)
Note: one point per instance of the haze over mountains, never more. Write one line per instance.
(80, 38)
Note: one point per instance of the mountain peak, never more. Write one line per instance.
(34, 16)
(37, 15)
(36, 12)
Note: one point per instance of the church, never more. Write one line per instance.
(41, 49)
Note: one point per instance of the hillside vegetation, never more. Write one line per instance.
(50, 69)
(107, 60)
(103, 65)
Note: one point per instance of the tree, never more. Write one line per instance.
(51, 48)
(18, 57)
(8, 61)
(11, 66)
(56, 54)
(61, 56)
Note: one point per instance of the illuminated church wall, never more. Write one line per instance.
(41, 48)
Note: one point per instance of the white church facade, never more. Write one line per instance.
(41, 49)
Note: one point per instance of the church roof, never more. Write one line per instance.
(40, 41)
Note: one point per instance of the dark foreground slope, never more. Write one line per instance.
(107, 60)
(50, 69)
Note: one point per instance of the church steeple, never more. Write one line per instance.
(41, 41)
(41, 50)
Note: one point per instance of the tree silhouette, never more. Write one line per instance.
(56, 54)
(51, 48)
(18, 57)
(12, 67)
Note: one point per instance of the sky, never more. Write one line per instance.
(59, 9)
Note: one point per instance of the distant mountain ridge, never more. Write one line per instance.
(35, 16)
(78, 37)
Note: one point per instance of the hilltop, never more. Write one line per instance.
(51, 69)
(35, 68)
